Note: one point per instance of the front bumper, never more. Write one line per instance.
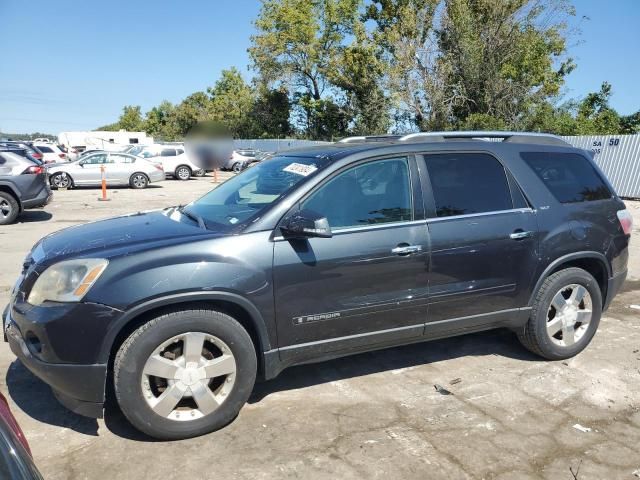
(80, 388)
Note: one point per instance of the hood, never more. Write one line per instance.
(117, 236)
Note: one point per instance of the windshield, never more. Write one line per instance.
(248, 194)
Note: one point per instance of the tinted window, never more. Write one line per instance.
(45, 149)
(168, 152)
(376, 192)
(569, 176)
(468, 183)
(180, 151)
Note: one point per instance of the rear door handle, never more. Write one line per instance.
(519, 235)
(406, 249)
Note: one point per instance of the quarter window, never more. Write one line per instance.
(468, 183)
(569, 176)
(373, 193)
(168, 152)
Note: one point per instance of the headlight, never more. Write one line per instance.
(67, 281)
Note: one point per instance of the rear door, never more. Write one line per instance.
(120, 168)
(483, 236)
(367, 284)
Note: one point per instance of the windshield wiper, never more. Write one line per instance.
(193, 216)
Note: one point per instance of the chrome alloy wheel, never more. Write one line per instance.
(569, 315)
(5, 208)
(139, 180)
(61, 180)
(188, 376)
(183, 173)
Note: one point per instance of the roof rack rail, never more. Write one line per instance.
(370, 138)
(507, 137)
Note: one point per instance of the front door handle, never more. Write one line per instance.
(406, 249)
(520, 234)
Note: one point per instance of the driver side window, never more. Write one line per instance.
(372, 193)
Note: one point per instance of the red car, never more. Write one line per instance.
(16, 461)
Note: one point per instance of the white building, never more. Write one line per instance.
(102, 140)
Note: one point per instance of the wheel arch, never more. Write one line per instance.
(234, 305)
(593, 262)
(8, 188)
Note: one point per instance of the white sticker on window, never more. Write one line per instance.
(300, 169)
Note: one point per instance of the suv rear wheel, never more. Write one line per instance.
(185, 373)
(9, 208)
(565, 315)
(183, 172)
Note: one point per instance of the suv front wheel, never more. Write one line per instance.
(565, 315)
(185, 373)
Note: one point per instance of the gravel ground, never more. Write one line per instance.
(374, 415)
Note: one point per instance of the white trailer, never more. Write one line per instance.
(104, 140)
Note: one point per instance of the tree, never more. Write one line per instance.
(193, 109)
(131, 119)
(455, 58)
(297, 43)
(231, 103)
(270, 114)
(160, 122)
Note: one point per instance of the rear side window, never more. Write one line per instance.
(45, 149)
(468, 183)
(570, 177)
(168, 152)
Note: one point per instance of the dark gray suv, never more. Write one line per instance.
(318, 253)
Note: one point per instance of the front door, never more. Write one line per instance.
(484, 241)
(89, 171)
(367, 284)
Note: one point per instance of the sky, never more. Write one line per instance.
(72, 65)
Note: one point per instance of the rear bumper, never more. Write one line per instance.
(42, 199)
(613, 287)
(80, 388)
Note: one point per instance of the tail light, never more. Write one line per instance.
(159, 166)
(10, 420)
(62, 155)
(626, 221)
(37, 155)
(33, 171)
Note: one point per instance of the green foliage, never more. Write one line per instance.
(330, 68)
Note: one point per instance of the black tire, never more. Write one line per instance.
(136, 349)
(237, 167)
(534, 335)
(60, 180)
(138, 181)
(199, 173)
(9, 208)
(183, 173)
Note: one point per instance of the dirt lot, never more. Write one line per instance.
(375, 415)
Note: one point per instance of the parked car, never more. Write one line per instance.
(119, 169)
(239, 158)
(16, 462)
(51, 153)
(23, 185)
(28, 146)
(252, 162)
(356, 246)
(72, 153)
(25, 152)
(173, 158)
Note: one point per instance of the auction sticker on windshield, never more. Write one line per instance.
(300, 169)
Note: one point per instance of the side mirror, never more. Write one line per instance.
(81, 163)
(305, 224)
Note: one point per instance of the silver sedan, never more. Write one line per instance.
(119, 169)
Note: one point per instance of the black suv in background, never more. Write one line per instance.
(358, 245)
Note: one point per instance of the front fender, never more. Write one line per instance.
(186, 297)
